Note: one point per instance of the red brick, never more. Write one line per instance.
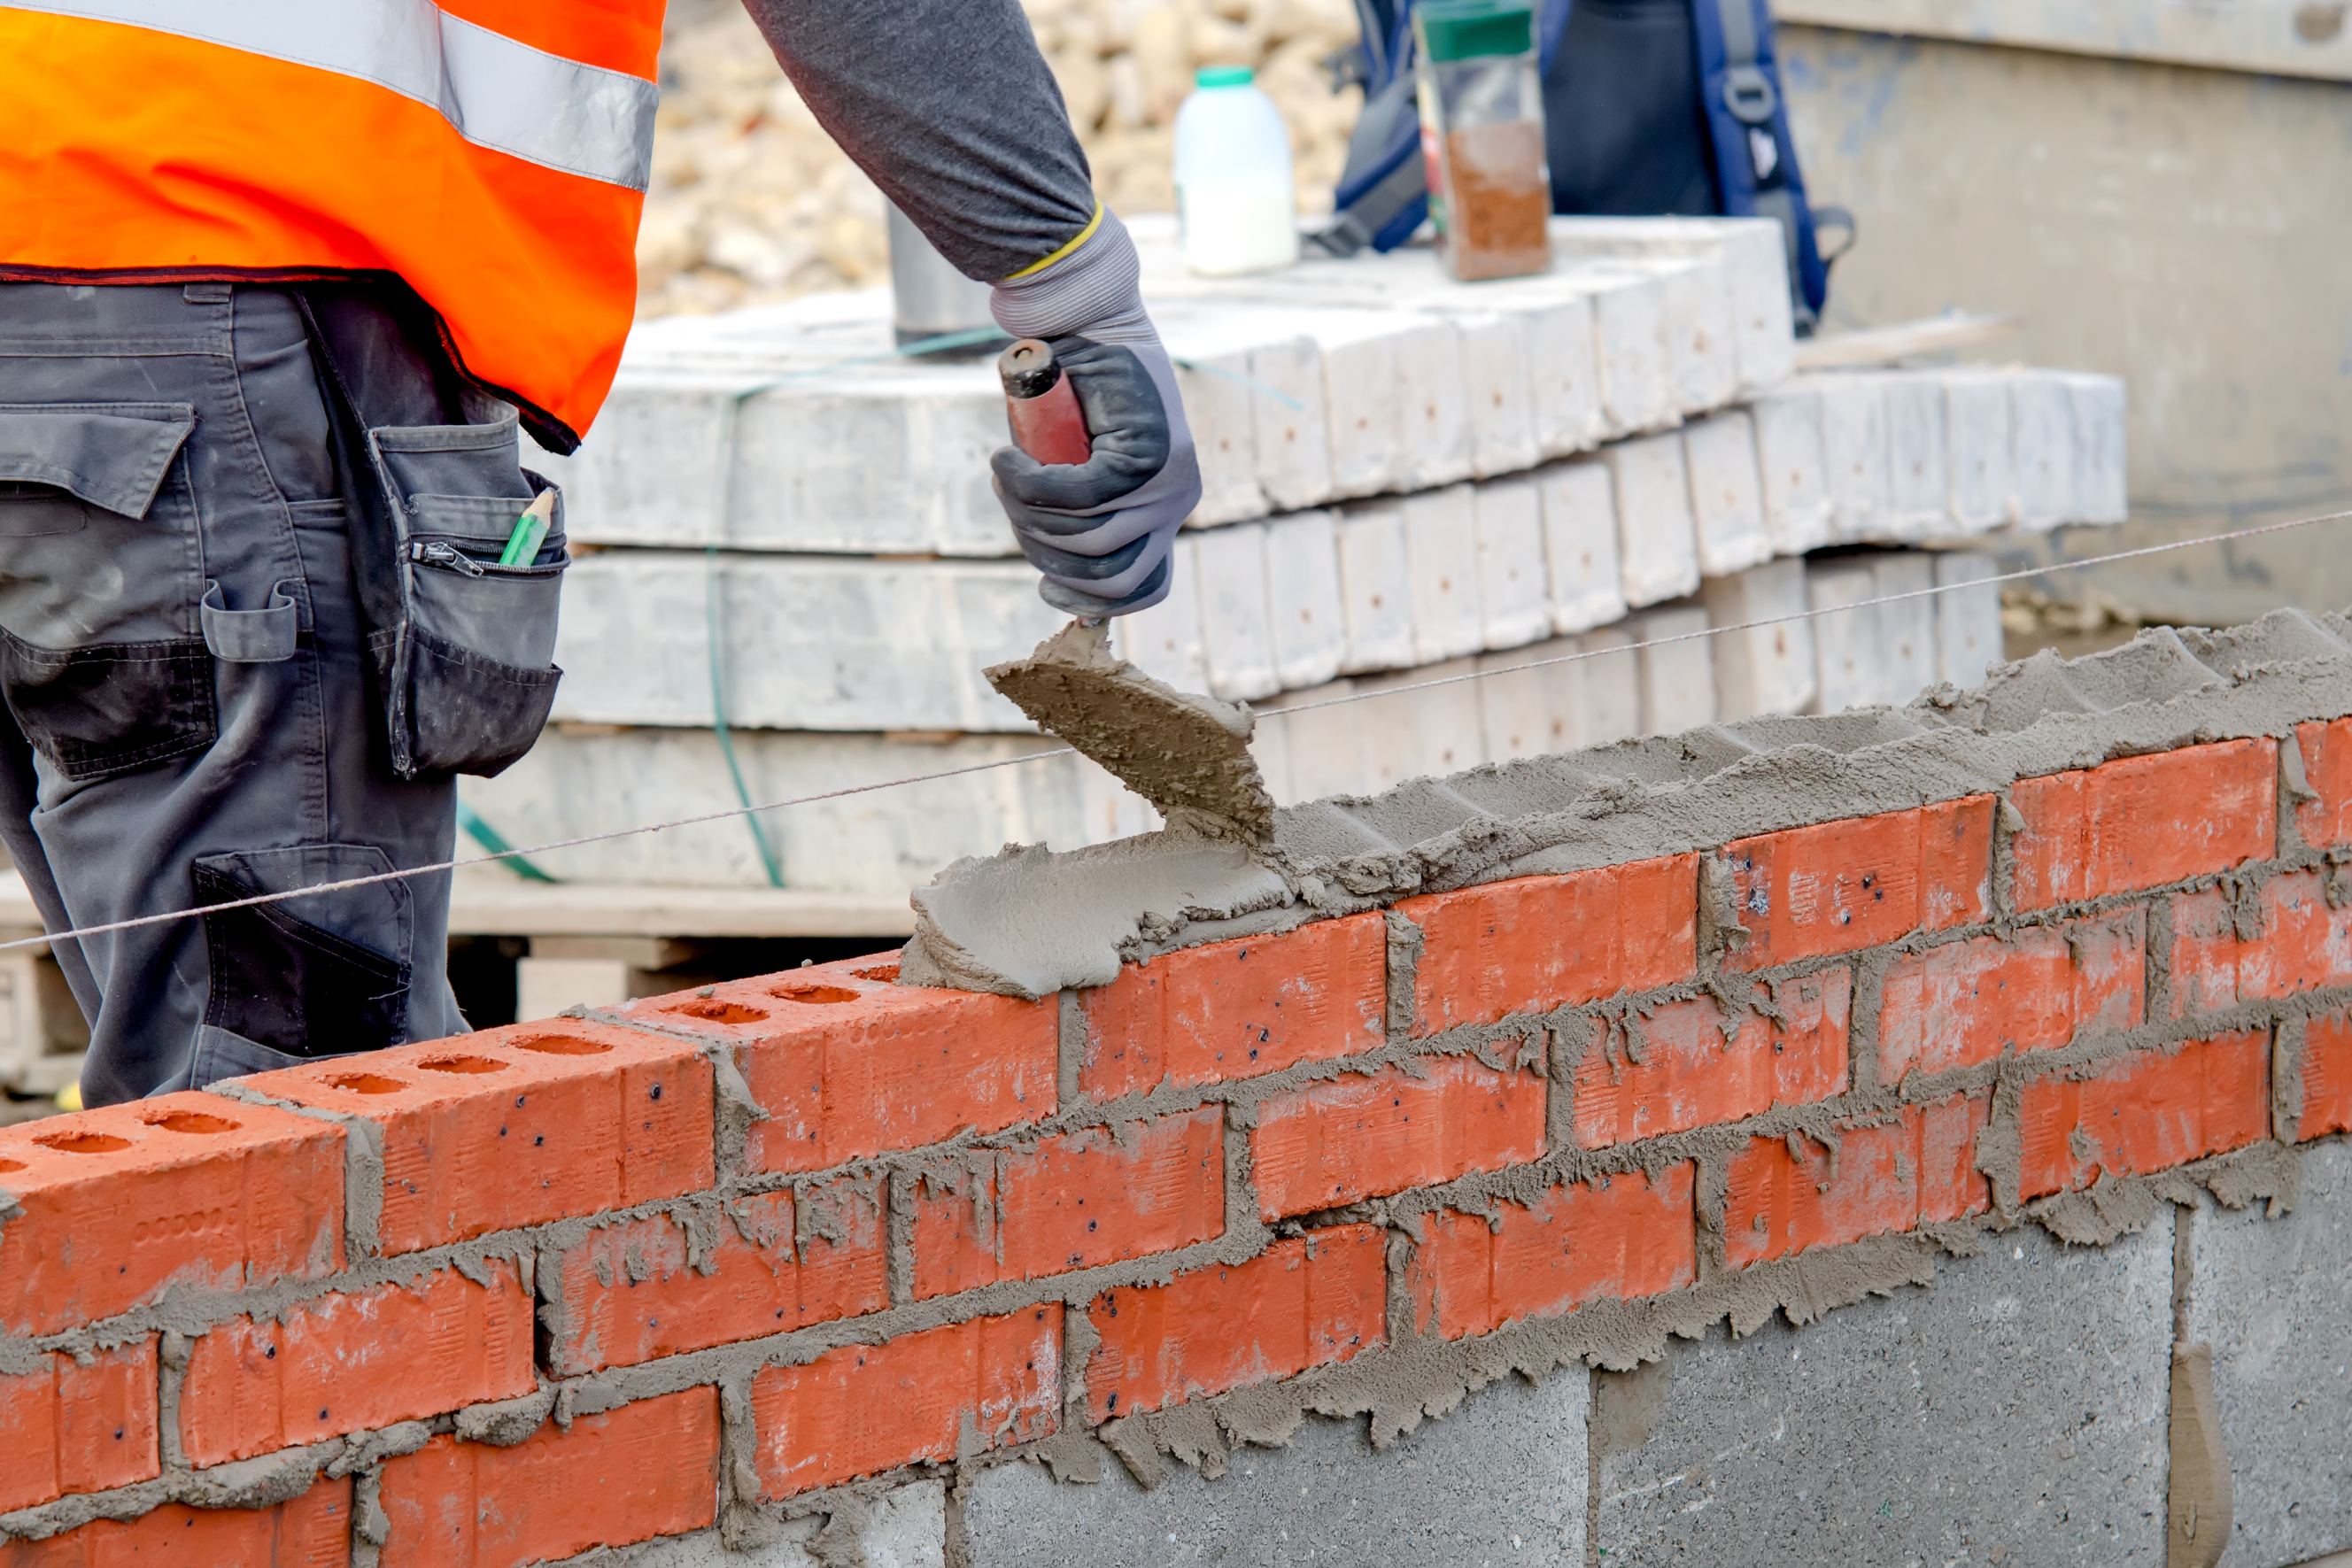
(867, 1408)
(2326, 1078)
(352, 1362)
(313, 1531)
(1688, 1075)
(187, 1192)
(1968, 1002)
(1614, 1238)
(1071, 1202)
(2146, 1113)
(638, 1290)
(646, 1469)
(1364, 1136)
(2327, 821)
(68, 1427)
(2298, 944)
(1311, 1301)
(1895, 1175)
(520, 1125)
(2144, 821)
(1844, 885)
(847, 1065)
(1537, 943)
(1235, 1009)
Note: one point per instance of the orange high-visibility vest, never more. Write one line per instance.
(492, 153)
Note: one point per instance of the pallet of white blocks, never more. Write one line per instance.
(1407, 480)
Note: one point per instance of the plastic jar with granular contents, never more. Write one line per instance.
(1482, 133)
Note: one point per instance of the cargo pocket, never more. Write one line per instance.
(467, 663)
(102, 660)
(309, 976)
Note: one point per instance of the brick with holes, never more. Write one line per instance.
(2327, 1071)
(312, 1530)
(1967, 1002)
(936, 1393)
(646, 1468)
(1692, 1065)
(845, 1063)
(1537, 943)
(520, 1125)
(119, 1207)
(640, 1288)
(2147, 1112)
(70, 1425)
(1096, 1196)
(2144, 821)
(1612, 1239)
(2282, 939)
(350, 1361)
(1368, 1134)
(1235, 1009)
(1309, 1301)
(2326, 820)
(1792, 1194)
(1838, 887)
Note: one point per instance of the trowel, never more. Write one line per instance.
(1187, 753)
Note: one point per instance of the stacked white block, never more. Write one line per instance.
(824, 641)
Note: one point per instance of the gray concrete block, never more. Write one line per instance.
(2273, 1298)
(2014, 1412)
(1499, 1481)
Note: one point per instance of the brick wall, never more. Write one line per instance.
(583, 1283)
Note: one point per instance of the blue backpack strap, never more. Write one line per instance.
(1383, 193)
(1756, 158)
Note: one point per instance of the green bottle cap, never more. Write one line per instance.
(1224, 76)
(1473, 29)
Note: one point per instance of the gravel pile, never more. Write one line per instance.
(751, 202)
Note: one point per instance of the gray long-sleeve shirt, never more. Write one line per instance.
(949, 106)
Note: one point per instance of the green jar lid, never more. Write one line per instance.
(1470, 29)
(1224, 76)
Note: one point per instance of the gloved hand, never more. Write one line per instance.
(1101, 531)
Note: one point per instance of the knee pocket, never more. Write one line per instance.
(319, 976)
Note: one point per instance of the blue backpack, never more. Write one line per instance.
(1650, 107)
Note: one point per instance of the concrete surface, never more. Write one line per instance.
(1499, 1481)
(2273, 1298)
(2013, 1414)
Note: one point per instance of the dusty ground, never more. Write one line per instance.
(752, 202)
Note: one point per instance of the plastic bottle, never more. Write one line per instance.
(1235, 204)
(1482, 132)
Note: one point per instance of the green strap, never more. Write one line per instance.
(712, 614)
(490, 839)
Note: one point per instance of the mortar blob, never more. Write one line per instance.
(1187, 754)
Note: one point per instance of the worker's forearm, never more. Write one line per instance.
(948, 106)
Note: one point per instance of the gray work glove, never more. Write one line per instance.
(1101, 531)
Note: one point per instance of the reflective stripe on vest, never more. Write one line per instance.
(502, 182)
(495, 93)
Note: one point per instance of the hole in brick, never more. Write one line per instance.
(189, 1122)
(82, 1143)
(813, 994)
(713, 1010)
(365, 1084)
(461, 1064)
(8, 1165)
(881, 973)
(559, 1045)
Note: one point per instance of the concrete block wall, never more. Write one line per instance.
(746, 1273)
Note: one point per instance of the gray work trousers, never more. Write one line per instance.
(194, 708)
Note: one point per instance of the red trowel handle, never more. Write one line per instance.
(1046, 421)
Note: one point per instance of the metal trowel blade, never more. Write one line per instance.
(1186, 753)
